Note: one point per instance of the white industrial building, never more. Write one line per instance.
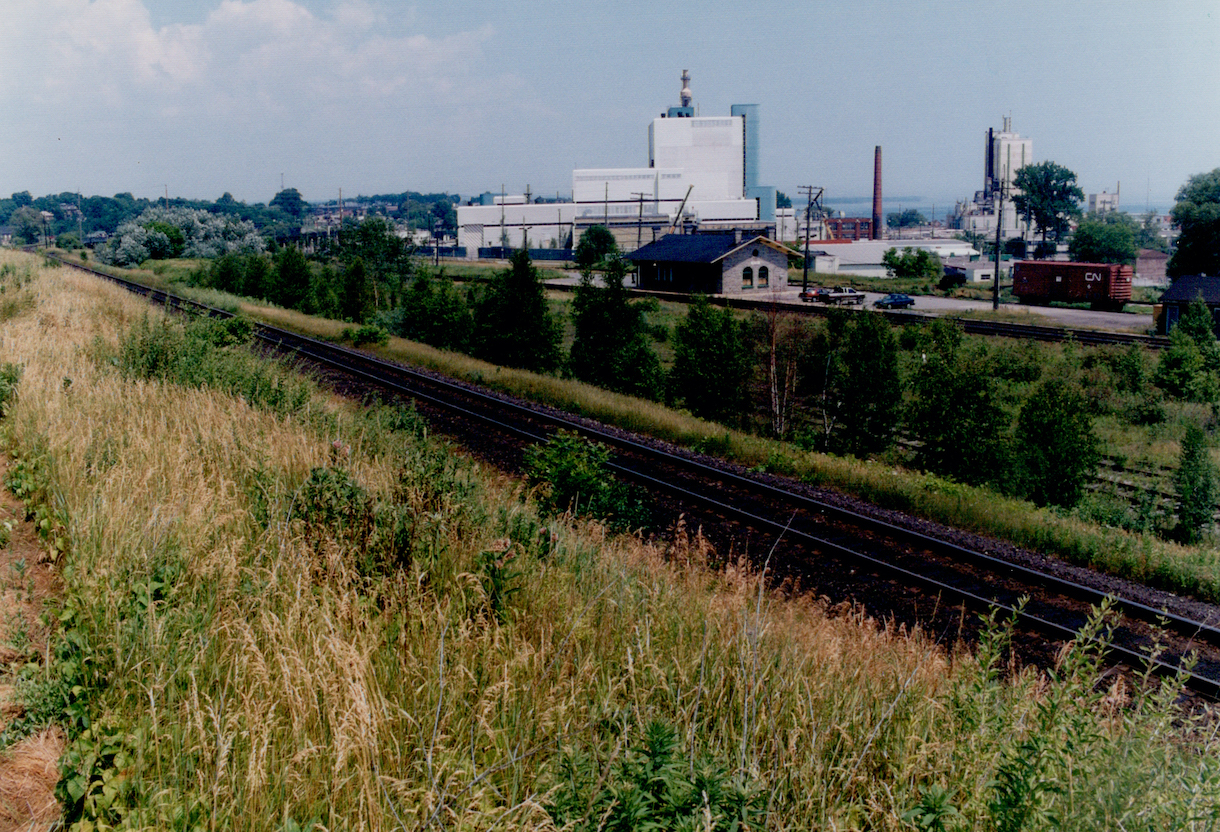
(1006, 153)
(863, 258)
(705, 167)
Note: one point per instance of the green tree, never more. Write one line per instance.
(227, 274)
(611, 348)
(434, 312)
(852, 371)
(711, 363)
(258, 277)
(1196, 212)
(290, 202)
(1195, 486)
(1047, 195)
(1190, 368)
(954, 410)
(386, 257)
(291, 278)
(1148, 234)
(1105, 238)
(916, 263)
(782, 200)
(905, 219)
(27, 225)
(165, 240)
(596, 245)
(513, 326)
(1057, 447)
(873, 397)
(357, 301)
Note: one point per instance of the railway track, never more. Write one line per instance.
(807, 538)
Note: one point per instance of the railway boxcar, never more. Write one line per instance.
(1102, 285)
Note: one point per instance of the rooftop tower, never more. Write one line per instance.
(686, 110)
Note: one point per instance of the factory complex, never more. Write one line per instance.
(702, 179)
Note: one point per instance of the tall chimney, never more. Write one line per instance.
(877, 194)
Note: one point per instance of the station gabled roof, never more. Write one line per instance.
(1191, 287)
(698, 248)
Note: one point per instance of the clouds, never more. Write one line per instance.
(207, 96)
(244, 53)
(256, 83)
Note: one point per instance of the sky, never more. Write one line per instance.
(201, 97)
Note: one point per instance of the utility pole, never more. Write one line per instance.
(639, 223)
(811, 197)
(999, 224)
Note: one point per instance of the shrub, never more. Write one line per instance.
(1195, 485)
(571, 475)
(653, 785)
(10, 377)
(1057, 447)
(365, 335)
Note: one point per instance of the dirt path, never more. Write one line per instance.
(29, 769)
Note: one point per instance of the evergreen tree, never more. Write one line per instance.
(357, 292)
(291, 278)
(611, 348)
(1195, 485)
(711, 364)
(258, 278)
(513, 325)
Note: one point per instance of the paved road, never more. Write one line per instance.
(1137, 321)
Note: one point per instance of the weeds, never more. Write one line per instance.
(215, 677)
(571, 474)
(653, 785)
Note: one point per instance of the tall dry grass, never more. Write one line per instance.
(254, 673)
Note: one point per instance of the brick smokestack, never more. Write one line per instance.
(877, 194)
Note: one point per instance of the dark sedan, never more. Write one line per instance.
(895, 301)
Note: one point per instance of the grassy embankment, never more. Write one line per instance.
(280, 610)
(1141, 557)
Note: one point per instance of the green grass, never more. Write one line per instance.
(232, 659)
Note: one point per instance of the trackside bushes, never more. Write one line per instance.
(570, 474)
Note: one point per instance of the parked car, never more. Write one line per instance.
(895, 300)
(838, 295)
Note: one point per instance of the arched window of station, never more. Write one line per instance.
(747, 278)
(764, 277)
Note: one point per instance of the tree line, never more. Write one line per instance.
(74, 217)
